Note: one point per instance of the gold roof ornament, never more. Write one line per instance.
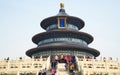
(62, 5)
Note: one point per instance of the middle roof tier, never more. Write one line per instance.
(60, 33)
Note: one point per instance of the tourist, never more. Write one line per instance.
(71, 68)
(53, 71)
(40, 72)
(43, 72)
(53, 63)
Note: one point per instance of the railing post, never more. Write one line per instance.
(18, 73)
(48, 63)
(37, 73)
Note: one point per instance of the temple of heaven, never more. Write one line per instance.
(61, 50)
(62, 37)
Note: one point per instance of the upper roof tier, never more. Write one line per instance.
(69, 19)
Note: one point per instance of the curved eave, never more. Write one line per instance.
(70, 20)
(62, 33)
(55, 47)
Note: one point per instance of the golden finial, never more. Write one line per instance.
(62, 5)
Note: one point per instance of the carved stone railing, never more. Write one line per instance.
(98, 66)
(23, 65)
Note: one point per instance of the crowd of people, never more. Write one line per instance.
(70, 64)
(54, 62)
(42, 72)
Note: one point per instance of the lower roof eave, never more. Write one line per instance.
(83, 49)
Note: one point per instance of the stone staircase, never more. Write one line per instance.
(48, 73)
(61, 70)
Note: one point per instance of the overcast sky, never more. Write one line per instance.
(20, 21)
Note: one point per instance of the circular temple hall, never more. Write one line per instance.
(62, 37)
